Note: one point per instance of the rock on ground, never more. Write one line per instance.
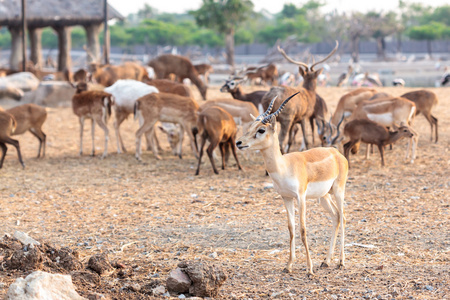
(206, 278)
(43, 286)
(100, 264)
(178, 281)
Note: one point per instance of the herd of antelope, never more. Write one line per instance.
(362, 115)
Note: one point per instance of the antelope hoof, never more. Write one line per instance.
(341, 265)
(158, 157)
(324, 265)
(310, 274)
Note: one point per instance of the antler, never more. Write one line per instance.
(327, 57)
(338, 132)
(299, 63)
(268, 110)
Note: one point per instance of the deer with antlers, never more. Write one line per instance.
(302, 105)
(297, 176)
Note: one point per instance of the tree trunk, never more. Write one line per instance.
(229, 44)
(355, 48)
(36, 46)
(429, 48)
(381, 54)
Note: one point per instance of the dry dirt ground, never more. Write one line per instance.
(152, 215)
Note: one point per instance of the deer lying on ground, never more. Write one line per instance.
(106, 75)
(389, 112)
(233, 86)
(204, 70)
(425, 101)
(30, 117)
(302, 105)
(167, 64)
(170, 108)
(94, 105)
(126, 92)
(218, 127)
(367, 131)
(298, 176)
(7, 126)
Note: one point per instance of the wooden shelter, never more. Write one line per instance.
(60, 15)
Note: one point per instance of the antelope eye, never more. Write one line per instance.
(261, 130)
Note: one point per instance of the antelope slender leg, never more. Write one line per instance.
(302, 211)
(330, 207)
(290, 210)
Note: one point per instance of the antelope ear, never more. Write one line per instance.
(162, 129)
(253, 117)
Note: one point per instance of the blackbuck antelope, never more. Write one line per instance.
(302, 105)
(218, 127)
(389, 112)
(94, 105)
(425, 101)
(30, 117)
(7, 126)
(297, 176)
(233, 86)
(369, 132)
(169, 108)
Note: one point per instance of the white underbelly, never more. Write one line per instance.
(382, 119)
(318, 189)
(289, 187)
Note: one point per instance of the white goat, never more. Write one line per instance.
(126, 92)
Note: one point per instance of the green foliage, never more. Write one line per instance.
(222, 15)
(243, 36)
(431, 31)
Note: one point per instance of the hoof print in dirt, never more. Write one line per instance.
(100, 264)
(206, 278)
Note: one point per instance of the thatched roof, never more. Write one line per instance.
(43, 13)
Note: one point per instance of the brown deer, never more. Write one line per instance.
(167, 64)
(218, 127)
(169, 108)
(367, 131)
(30, 117)
(267, 73)
(168, 86)
(425, 101)
(204, 70)
(302, 105)
(94, 105)
(106, 75)
(233, 86)
(7, 126)
(298, 176)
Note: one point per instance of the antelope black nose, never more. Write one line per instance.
(238, 143)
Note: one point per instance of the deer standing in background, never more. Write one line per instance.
(302, 105)
(7, 126)
(180, 66)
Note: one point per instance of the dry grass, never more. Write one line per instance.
(154, 214)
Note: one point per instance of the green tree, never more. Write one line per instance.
(224, 16)
(428, 32)
(381, 25)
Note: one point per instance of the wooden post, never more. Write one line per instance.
(16, 47)
(93, 43)
(64, 46)
(24, 36)
(106, 32)
(36, 46)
